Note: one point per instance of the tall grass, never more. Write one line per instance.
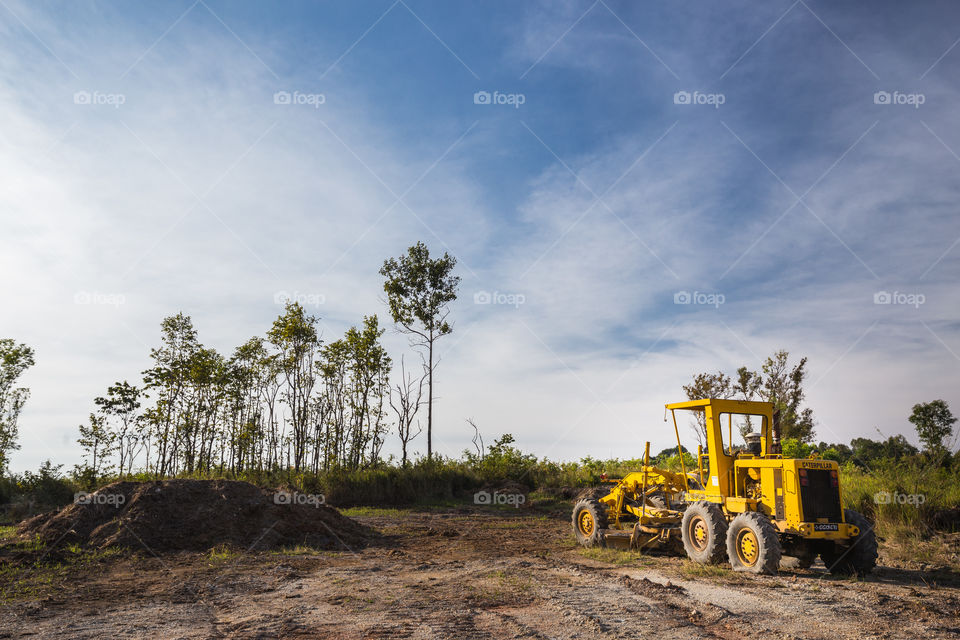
(906, 495)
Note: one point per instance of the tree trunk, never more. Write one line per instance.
(430, 404)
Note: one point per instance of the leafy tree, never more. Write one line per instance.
(169, 378)
(707, 386)
(747, 387)
(837, 452)
(934, 424)
(294, 335)
(419, 290)
(98, 443)
(370, 373)
(865, 451)
(14, 360)
(121, 402)
(794, 448)
(783, 386)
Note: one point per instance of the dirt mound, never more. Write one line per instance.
(196, 515)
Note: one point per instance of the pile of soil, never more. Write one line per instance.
(196, 515)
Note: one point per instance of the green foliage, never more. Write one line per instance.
(865, 452)
(783, 386)
(34, 492)
(793, 448)
(504, 462)
(419, 288)
(14, 360)
(98, 443)
(934, 423)
(777, 382)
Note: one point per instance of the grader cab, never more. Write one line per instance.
(745, 504)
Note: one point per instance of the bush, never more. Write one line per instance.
(32, 493)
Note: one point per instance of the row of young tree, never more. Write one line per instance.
(285, 400)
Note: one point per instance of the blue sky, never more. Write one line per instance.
(148, 168)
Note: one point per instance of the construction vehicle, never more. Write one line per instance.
(747, 505)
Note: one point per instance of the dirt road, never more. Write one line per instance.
(464, 573)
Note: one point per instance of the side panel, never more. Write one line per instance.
(779, 509)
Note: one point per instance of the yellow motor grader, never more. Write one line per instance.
(748, 505)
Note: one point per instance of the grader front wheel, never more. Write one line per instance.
(752, 544)
(589, 522)
(703, 531)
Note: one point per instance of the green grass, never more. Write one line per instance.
(384, 512)
(691, 569)
(618, 557)
(303, 550)
(222, 553)
(35, 579)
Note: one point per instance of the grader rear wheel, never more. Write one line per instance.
(860, 557)
(589, 522)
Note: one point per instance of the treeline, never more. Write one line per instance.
(282, 401)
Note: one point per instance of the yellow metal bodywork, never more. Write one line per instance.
(738, 481)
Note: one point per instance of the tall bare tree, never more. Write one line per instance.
(406, 399)
(419, 291)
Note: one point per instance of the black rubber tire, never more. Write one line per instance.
(592, 492)
(712, 548)
(657, 501)
(767, 543)
(858, 558)
(598, 515)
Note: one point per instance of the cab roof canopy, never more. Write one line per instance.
(749, 407)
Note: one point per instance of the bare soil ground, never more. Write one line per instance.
(461, 572)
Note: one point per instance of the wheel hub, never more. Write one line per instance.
(585, 522)
(748, 549)
(700, 533)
